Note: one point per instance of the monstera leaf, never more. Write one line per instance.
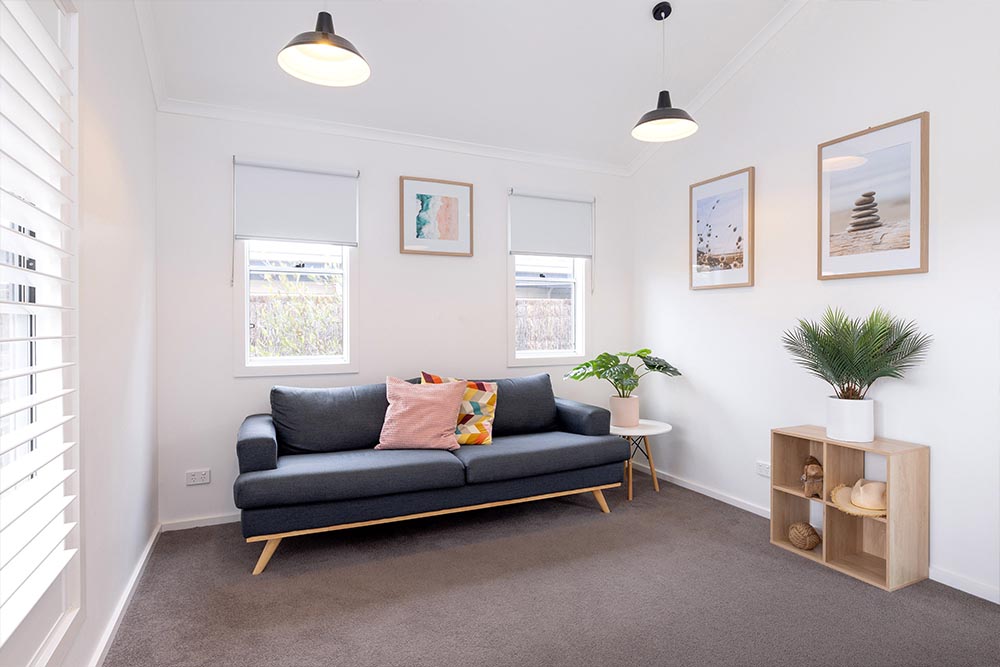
(622, 375)
(658, 365)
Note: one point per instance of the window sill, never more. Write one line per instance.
(276, 370)
(550, 360)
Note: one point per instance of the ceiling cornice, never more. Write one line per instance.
(725, 75)
(202, 110)
(167, 104)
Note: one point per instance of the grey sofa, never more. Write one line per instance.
(310, 466)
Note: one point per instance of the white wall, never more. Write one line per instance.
(838, 68)
(117, 313)
(445, 315)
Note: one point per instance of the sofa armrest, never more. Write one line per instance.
(257, 444)
(582, 418)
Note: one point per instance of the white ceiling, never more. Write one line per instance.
(553, 78)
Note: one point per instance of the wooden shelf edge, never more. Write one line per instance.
(880, 446)
(859, 574)
(880, 519)
(792, 491)
(811, 555)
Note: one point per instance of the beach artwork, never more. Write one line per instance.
(719, 226)
(872, 207)
(870, 203)
(722, 231)
(435, 216)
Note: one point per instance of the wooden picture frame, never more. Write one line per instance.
(440, 201)
(717, 271)
(883, 164)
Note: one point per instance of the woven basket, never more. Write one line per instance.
(803, 536)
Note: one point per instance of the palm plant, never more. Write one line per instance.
(622, 375)
(851, 354)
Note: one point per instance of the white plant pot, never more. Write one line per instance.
(852, 421)
(624, 411)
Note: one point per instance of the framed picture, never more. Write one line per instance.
(435, 217)
(873, 201)
(721, 231)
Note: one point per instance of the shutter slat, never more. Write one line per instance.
(19, 570)
(18, 106)
(15, 439)
(29, 86)
(33, 273)
(33, 370)
(29, 339)
(21, 603)
(25, 466)
(40, 152)
(30, 401)
(32, 26)
(15, 507)
(8, 160)
(32, 522)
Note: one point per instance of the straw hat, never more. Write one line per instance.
(867, 498)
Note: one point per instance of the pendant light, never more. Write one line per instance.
(665, 122)
(324, 58)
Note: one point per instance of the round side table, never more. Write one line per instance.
(638, 438)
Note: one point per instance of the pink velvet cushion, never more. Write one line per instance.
(421, 416)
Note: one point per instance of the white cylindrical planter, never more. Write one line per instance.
(624, 411)
(851, 421)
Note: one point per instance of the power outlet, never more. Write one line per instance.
(194, 477)
(764, 469)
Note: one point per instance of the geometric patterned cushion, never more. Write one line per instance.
(475, 415)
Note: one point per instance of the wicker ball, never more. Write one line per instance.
(803, 536)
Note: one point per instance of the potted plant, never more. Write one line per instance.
(851, 354)
(624, 377)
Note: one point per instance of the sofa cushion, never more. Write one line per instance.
(475, 414)
(328, 420)
(420, 416)
(524, 405)
(363, 473)
(516, 456)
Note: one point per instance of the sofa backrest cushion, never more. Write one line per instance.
(328, 420)
(524, 405)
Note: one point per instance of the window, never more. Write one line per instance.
(39, 533)
(296, 236)
(550, 240)
(548, 309)
(296, 302)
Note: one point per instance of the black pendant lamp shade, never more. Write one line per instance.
(323, 57)
(665, 122)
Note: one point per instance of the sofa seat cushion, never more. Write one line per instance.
(515, 456)
(322, 477)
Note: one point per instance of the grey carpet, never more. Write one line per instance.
(670, 579)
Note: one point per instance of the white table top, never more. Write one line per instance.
(645, 427)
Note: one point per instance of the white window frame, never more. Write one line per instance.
(549, 357)
(243, 367)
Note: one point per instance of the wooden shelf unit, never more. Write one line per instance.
(889, 552)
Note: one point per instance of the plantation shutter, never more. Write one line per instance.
(289, 204)
(39, 533)
(553, 225)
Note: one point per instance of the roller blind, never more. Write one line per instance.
(289, 204)
(542, 224)
(38, 304)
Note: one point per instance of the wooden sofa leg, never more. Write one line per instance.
(266, 554)
(599, 496)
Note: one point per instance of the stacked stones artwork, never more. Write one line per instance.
(865, 215)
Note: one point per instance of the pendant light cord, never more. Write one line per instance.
(663, 54)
